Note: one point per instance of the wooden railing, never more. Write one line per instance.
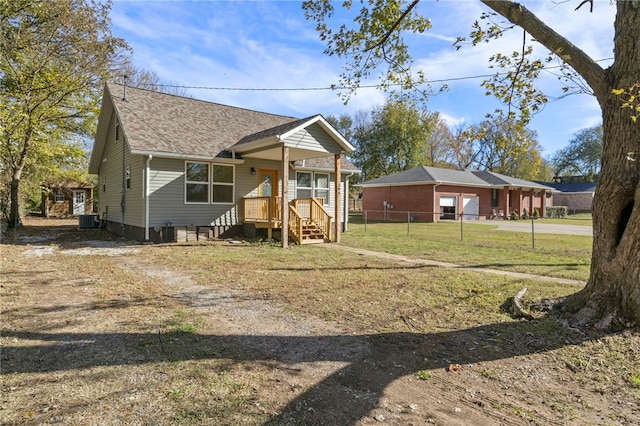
(302, 211)
(312, 210)
(295, 224)
(262, 209)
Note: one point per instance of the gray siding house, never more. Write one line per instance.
(167, 163)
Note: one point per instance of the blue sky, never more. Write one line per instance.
(270, 45)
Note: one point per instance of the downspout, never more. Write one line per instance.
(124, 182)
(433, 202)
(146, 197)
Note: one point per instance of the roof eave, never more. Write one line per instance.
(344, 144)
(184, 156)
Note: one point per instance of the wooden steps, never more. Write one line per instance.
(312, 234)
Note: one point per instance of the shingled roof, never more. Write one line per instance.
(163, 123)
(168, 125)
(435, 175)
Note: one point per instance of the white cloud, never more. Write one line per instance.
(270, 45)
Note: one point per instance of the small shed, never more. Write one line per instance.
(67, 197)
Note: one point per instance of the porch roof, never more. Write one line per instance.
(306, 138)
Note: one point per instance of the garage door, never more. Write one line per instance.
(470, 208)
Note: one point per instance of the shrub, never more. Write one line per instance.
(557, 212)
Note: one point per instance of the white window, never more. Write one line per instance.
(222, 183)
(209, 183)
(312, 185)
(321, 186)
(58, 196)
(196, 182)
(303, 185)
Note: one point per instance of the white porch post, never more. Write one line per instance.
(285, 197)
(337, 198)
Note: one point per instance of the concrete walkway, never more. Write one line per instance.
(416, 261)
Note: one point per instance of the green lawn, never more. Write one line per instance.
(480, 245)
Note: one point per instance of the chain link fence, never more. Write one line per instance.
(531, 232)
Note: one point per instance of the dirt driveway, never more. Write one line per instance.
(79, 349)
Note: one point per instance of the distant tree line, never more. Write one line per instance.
(401, 135)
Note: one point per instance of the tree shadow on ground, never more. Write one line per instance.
(372, 361)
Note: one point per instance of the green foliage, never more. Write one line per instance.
(396, 137)
(582, 157)
(504, 145)
(54, 57)
(371, 36)
(630, 99)
(423, 374)
(557, 212)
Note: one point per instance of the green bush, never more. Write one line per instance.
(557, 212)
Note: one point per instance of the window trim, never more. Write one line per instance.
(307, 188)
(213, 184)
(327, 189)
(313, 189)
(190, 182)
(210, 183)
(495, 197)
(58, 196)
(118, 131)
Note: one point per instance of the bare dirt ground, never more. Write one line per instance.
(81, 344)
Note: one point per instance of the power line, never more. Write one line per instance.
(332, 87)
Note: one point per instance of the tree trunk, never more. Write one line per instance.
(14, 204)
(612, 294)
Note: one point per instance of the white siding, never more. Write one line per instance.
(313, 138)
(112, 173)
(167, 203)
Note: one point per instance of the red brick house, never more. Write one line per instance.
(430, 194)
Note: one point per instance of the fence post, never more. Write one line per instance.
(533, 233)
(408, 222)
(461, 227)
(365, 221)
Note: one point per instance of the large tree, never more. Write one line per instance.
(54, 58)
(397, 136)
(503, 145)
(582, 156)
(612, 294)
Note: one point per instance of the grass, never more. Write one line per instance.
(367, 294)
(112, 345)
(479, 245)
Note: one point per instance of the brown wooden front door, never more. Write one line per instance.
(268, 186)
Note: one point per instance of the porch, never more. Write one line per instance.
(308, 221)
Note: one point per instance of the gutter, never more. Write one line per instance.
(205, 158)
